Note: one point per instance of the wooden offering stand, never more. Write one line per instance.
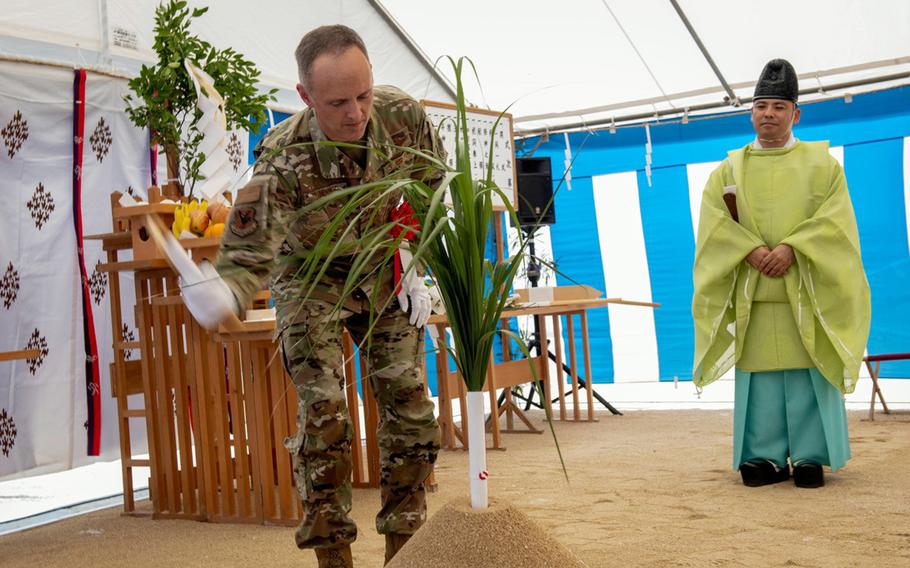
(144, 248)
(217, 406)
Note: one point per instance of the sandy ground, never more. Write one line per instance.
(649, 488)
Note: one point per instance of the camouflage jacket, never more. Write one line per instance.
(267, 231)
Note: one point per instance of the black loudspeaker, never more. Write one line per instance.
(535, 192)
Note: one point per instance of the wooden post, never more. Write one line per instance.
(501, 246)
(876, 389)
(237, 403)
(162, 392)
(560, 377)
(442, 386)
(204, 414)
(587, 357)
(253, 427)
(545, 370)
(360, 477)
(494, 407)
(463, 405)
(118, 380)
(370, 420)
(570, 331)
(267, 459)
(181, 391)
(279, 418)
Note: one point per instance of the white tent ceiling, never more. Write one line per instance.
(561, 57)
(118, 35)
(563, 63)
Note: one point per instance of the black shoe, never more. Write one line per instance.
(809, 475)
(763, 472)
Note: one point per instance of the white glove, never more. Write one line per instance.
(205, 294)
(414, 292)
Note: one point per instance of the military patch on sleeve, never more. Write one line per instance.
(249, 194)
(401, 138)
(243, 221)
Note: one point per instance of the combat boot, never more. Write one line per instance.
(335, 557)
(393, 543)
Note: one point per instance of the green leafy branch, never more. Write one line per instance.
(165, 98)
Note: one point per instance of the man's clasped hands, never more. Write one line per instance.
(773, 263)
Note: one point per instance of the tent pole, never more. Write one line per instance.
(733, 99)
(587, 125)
(105, 33)
(393, 23)
(708, 91)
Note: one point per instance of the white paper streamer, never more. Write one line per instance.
(217, 167)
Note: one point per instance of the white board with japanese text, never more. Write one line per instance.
(484, 132)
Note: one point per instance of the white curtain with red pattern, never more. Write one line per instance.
(44, 401)
(115, 158)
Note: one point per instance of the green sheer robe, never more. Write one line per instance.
(798, 196)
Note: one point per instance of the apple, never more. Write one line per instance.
(199, 221)
(218, 212)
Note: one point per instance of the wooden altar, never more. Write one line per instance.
(218, 406)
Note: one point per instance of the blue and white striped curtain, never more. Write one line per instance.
(636, 240)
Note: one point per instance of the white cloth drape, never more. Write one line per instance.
(43, 401)
(117, 159)
(38, 250)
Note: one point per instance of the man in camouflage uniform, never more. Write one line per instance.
(267, 234)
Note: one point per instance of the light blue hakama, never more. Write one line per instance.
(792, 413)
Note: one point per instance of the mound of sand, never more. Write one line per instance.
(501, 536)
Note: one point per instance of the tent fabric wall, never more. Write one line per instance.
(118, 35)
(618, 203)
(43, 402)
(870, 133)
(577, 253)
(670, 252)
(875, 175)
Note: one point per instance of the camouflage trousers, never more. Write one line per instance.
(409, 436)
